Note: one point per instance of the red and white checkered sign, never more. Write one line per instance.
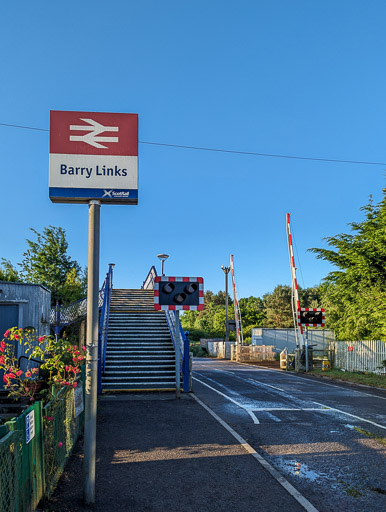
(322, 324)
(167, 279)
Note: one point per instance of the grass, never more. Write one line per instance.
(369, 379)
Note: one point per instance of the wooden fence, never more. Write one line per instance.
(360, 356)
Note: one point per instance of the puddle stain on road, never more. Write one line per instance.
(299, 470)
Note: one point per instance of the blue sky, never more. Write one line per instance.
(292, 78)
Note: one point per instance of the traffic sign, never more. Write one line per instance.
(311, 317)
(178, 293)
(93, 156)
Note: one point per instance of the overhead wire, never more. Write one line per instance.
(230, 151)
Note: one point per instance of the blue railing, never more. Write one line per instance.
(183, 353)
(104, 324)
(61, 316)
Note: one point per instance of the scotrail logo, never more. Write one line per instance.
(115, 193)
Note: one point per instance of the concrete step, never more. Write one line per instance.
(139, 351)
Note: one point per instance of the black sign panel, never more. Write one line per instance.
(311, 317)
(177, 293)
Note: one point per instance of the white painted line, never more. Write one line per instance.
(351, 415)
(251, 380)
(264, 384)
(255, 420)
(290, 409)
(289, 374)
(276, 475)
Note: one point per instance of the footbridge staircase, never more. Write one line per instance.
(139, 350)
(138, 347)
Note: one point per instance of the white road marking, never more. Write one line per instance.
(289, 374)
(325, 407)
(276, 475)
(252, 380)
(351, 415)
(255, 420)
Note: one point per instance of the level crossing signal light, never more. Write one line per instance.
(179, 293)
(311, 317)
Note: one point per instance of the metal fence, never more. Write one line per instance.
(361, 356)
(65, 315)
(60, 435)
(10, 471)
(34, 448)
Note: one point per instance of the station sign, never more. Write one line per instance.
(93, 155)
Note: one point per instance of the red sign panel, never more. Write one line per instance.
(350, 349)
(93, 133)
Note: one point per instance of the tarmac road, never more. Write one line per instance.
(328, 440)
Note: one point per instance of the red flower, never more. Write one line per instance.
(11, 376)
(42, 338)
(28, 373)
(7, 333)
(17, 337)
(5, 378)
(2, 360)
(75, 384)
(2, 346)
(60, 444)
(19, 372)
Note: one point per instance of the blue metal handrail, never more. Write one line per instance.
(104, 324)
(184, 353)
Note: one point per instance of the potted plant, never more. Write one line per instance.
(59, 364)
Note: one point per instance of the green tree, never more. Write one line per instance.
(354, 293)
(278, 309)
(209, 323)
(47, 262)
(8, 272)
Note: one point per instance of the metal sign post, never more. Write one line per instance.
(239, 324)
(93, 160)
(92, 352)
(178, 294)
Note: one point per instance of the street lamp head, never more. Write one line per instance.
(162, 257)
(225, 269)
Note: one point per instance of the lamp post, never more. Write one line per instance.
(162, 257)
(226, 272)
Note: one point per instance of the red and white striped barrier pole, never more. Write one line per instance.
(295, 300)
